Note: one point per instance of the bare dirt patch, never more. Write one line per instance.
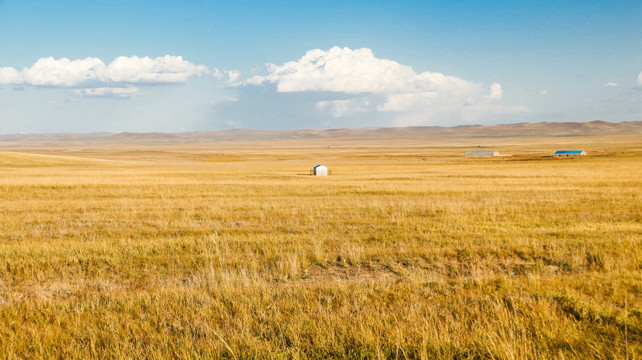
(317, 274)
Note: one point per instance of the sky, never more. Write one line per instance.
(180, 66)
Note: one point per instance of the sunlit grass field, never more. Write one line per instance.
(408, 250)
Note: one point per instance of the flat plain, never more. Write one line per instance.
(230, 249)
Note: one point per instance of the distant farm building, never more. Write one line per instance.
(567, 153)
(482, 153)
(320, 170)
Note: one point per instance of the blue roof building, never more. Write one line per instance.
(564, 153)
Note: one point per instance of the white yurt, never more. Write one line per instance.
(320, 170)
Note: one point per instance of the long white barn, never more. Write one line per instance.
(482, 153)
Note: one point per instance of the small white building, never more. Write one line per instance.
(320, 170)
(482, 153)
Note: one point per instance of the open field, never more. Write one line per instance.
(229, 249)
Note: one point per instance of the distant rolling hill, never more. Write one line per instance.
(544, 129)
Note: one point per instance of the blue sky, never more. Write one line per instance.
(175, 66)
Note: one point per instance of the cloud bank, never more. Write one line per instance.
(104, 92)
(384, 86)
(339, 87)
(95, 78)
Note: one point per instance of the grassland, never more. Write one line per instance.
(409, 250)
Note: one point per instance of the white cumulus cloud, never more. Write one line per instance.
(339, 108)
(338, 70)
(419, 98)
(9, 75)
(611, 84)
(233, 75)
(402, 102)
(640, 79)
(162, 70)
(495, 92)
(62, 72)
(94, 73)
(126, 93)
(351, 71)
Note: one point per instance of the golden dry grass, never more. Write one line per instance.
(229, 250)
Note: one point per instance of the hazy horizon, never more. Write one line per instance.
(589, 129)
